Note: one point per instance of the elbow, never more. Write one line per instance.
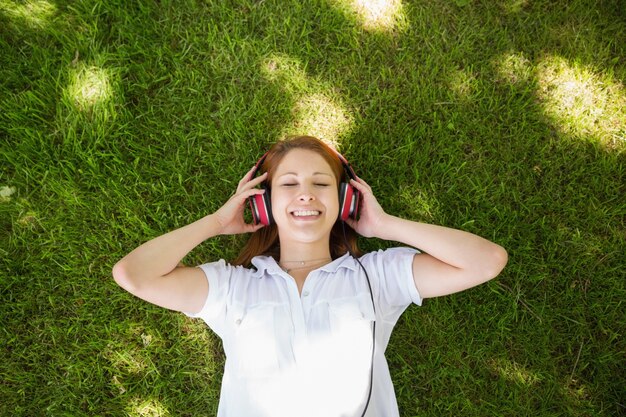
(122, 277)
(497, 261)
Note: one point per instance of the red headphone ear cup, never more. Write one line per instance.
(261, 208)
(267, 203)
(254, 209)
(348, 201)
(356, 203)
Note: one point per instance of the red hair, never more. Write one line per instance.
(265, 241)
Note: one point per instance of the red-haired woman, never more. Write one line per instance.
(304, 317)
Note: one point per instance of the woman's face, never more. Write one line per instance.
(305, 198)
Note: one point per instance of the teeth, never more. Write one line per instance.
(306, 213)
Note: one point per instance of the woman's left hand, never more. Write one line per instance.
(372, 216)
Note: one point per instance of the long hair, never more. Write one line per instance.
(265, 241)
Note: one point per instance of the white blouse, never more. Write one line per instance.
(307, 356)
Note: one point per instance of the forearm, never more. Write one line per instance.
(454, 247)
(161, 255)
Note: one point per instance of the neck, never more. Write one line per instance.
(304, 252)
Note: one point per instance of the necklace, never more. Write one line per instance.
(302, 264)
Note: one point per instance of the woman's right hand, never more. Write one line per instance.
(230, 215)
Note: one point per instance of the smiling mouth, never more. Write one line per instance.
(305, 213)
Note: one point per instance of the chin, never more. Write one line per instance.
(304, 236)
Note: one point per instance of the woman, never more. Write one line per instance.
(306, 327)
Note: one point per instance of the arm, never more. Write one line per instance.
(453, 261)
(152, 272)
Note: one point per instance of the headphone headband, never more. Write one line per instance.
(258, 164)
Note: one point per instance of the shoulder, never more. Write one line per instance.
(225, 282)
(382, 257)
(226, 278)
(390, 262)
(391, 271)
(224, 268)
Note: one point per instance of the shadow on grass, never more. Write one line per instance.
(461, 103)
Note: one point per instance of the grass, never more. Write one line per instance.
(122, 120)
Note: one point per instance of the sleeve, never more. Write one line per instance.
(392, 278)
(218, 275)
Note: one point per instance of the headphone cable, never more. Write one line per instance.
(369, 285)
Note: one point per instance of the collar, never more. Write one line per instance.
(268, 264)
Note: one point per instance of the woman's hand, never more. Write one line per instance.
(372, 216)
(230, 215)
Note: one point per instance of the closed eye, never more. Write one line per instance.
(293, 185)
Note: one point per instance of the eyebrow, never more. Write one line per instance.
(315, 173)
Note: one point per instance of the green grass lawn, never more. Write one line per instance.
(121, 120)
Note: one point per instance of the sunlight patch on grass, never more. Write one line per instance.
(316, 110)
(27, 219)
(115, 381)
(89, 87)
(514, 6)
(33, 13)
(376, 15)
(423, 206)
(461, 82)
(582, 102)
(320, 116)
(131, 354)
(512, 68)
(146, 408)
(286, 70)
(127, 361)
(514, 372)
(6, 192)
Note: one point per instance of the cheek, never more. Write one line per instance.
(275, 200)
(279, 201)
(333, 202)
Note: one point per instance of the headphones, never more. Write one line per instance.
(261, 207)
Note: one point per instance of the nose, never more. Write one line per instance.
(306, 195)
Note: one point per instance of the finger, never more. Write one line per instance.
(256, 181)
(360, 186)
(240, 198)
(362, 181)
(251, 228)
(359, 181)
(243, 195)
(352, 223)
(255, 227)
(252, 183)
(248, 176)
